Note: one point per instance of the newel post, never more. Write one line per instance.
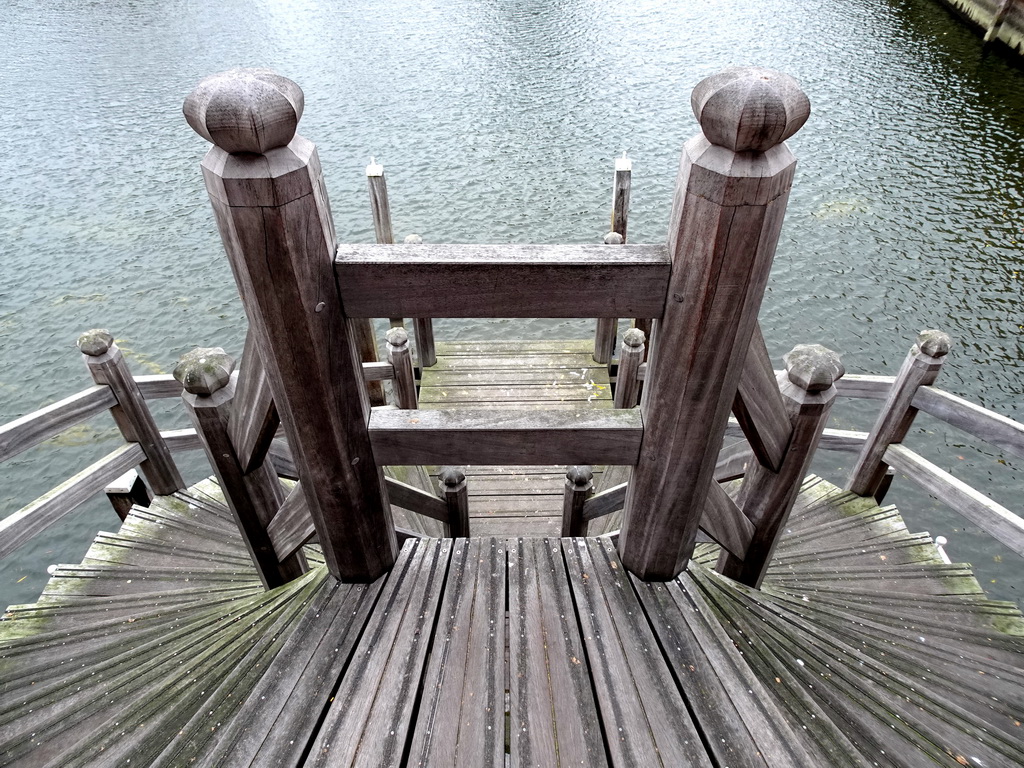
(730, 199)
(920, 369)
(206, 374)
(767, 497)
(631, 355)
(400, 357)
(266, 187)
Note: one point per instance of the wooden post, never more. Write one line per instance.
(607, 327)
(253, 497)
(267, 191)
(424, 326)
(767, 497)
(920, 369)
(620, 195)
(379, 205)
(107, 366)
(730, 198)
(579, 482)
(399, 355)
(455, 490)
(631, 355)
(127, 491)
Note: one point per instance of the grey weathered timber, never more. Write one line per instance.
(607, 327)
(275, 221)
(127, 491)
(631, 355)
(731, 193)
(733, 461)
(158, 386)
(620, 195)
(864, 386)
(432, 280)
(426, 350)
(254, 497)
(361, 329)
(492, 436)
(920, 368)
(292, 526)
(724, 522)
(107, 366)
(181, 439)
(18, 528)
(579, 484)
(379, 205)
(28, 431)
(991, 427)
(758, 405)
(605, 503)
(416, 500)
(382, 371)
(767, 496)
(455, 489)
(254, 420)
(998, 521)
(400, 357)
(842, 440)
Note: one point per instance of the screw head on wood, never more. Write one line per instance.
(749, 108)
(812, 367)
(245, 110)
(934, 343)
(95, 342)
(204, 370)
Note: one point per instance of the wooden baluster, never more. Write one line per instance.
(267, 192)
(253, 497)
(631, 355)
(379, 205)
(424, 326)
(579, 483)
(400, 356)
(604, 339)
(455, 490)
(127, 491)
(731, 195)
(920, 369)
(107, 365)
(607, 327)
(767, 497)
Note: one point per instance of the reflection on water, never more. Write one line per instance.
(498, 122)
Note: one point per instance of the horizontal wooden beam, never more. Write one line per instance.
(181, 440)
(982, 423)
(502, 280)
(489, 436)
(36, 517)
(412, 498)
(158, 386)
(382, 371)
(842, 440)
(1001, 523)
(864, 387)
(31, 430)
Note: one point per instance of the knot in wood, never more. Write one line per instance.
(245, 110)
(204, 370)
(95, 342)
(634, 337)
(933, 343)
(397, 337)
(413, 240)
(580, 475)
(451, 476)
(812, 367)
(613, 238)
(749, 108)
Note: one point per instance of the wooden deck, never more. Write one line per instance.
(516, 375)
(863, 648)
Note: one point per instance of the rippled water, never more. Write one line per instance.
(498, 122)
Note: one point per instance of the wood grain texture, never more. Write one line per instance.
(627, 380)
(605, 333)
(758, 406)
(380, 207)
(400, 356)
(254, 420)
(28, 431)
(27, 522)
(428, 280)
(416, 500)
(724, 522)
(127, 491)
(158, 386)
(491, 436)
(866, 387)
(579, 484)
(1003, 432)
(426, 349)
(181, 440)
(292, 526)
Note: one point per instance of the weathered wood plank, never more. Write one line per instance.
(724, 522)
(428, 280)
(28, 431)
(416, 500)
(606, 502)
(865, 387)
(381, 371)
(292, 526)
(181, 439)
(758, 405)
(18, 528)
(989, 426)
(543, 436)
(254, 418)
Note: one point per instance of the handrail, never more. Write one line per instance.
(39, 426)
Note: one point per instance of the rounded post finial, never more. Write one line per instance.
(634, 337)
(413, 240)
(245, 110)
(397, 336)
(613, 238)
(95, 342)
(934, 343)
(812, 367)
(749, 108)
(580, 475)
(204, 370)
(451, 476)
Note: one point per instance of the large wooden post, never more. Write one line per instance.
(920, 369)
(267, 191)
(731, 194)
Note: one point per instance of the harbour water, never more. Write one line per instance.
(498, 121)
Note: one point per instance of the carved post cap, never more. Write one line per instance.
(413, 240)
(397, 336)
(933, 343)
(613, 238)
(812, 367)
(204, 370)
(749, 108)
(634, 337)
(580, 475)
(451, 476)
(95, 342)
(245, 110)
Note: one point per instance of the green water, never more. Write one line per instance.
(498, 122)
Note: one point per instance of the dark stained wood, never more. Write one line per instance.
(378, 371)
(292, 526)
(758, 406)
(416, 500)
(991, 427)
(627, 380)
(254, 420)
(429, 280)
(579, 484)
(605, 503)
(400, 356)
(454, 487)
(28, 431)
(426, 350)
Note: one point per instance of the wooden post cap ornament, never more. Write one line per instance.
(749, 108)
(397, 337)
(812, 367)
(634, 337)
(580, 475)
(613, 238)
(204, 371)
(245, 110)
(95, 342)
(451, 476)
(933, 343)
